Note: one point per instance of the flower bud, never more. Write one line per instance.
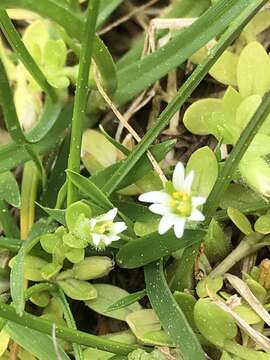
(93, 267)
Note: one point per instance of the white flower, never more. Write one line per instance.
(175, 203)
(104, 231)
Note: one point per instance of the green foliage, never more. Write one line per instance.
(215, 324)
(73, 238)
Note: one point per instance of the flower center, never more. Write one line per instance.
(101, 228)
(181, 203)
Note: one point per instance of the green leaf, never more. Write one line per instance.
(225, 69)
(88, 188)
(214, 324)
(235, 157)
(78, 289)
(147, 328)
(81, 95)
(57, 214)
(208, 287)
(186, 302)
(135, 212)
(50, 270)
(170, 315)
(74, 211)
(240, 220)
(33, 266)
(217, 243)
(40, 345)
(262, 225)
(146, 249)
(127, 300)
(246, 110)
(9, 189)
(47, 120)
(247, 314)
(75, 256)
(201, 117)
(97, 152)
(204, 164)
(17, 271)
(12, 155)
(240, 197)
(253, 72)
(107, 295)
(4, 340)
(254, 167)
(159, 151)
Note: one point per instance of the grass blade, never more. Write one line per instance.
(81, 96)
(159, 151)
(148, 248)
(10, 114)
(60, 296)
(12, 155)
(46, 327)
(171, 316)
(127, 300)
(38, 344)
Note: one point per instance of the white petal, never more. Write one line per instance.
(188, 182)
(92, 223)
(165, 224)
(109, 216)
(196, 215)
(109, 239)
(96, 239)
(179, 227)
(155, 197)
(198, 200)
(179, 177)
(118, 227)
(159, 209)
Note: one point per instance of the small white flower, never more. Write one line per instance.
(175, 203)
(104, 231)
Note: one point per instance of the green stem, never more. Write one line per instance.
(246, 246)
(33, 322)
(70, 321)
(235, 157)
(183, 93)
(8, 223)
(81, 96)
(18, 46)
